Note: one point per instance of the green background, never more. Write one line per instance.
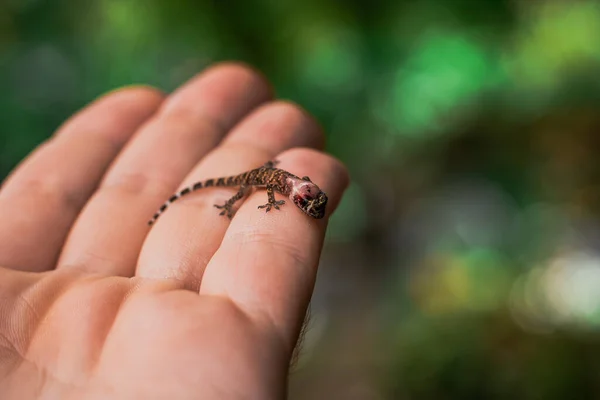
(463, 261)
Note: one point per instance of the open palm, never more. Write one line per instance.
(96, 304)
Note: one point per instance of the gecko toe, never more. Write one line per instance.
(274, 205)
(226, 210)
(267, 207)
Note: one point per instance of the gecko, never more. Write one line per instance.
(306, 195)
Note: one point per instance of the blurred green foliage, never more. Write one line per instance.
(468, 243)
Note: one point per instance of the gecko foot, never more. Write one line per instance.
(275, 205)
(227, 210)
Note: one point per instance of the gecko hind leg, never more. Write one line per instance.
(227, 207)
(272, 202)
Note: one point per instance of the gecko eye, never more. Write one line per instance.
(306, 178)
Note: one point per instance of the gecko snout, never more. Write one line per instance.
(313, 206)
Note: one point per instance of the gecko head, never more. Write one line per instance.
(308, 197)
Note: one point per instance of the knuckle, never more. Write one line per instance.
(50, 189)
(135, 184)
(181, 119)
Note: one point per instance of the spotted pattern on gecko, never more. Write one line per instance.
(301, 191)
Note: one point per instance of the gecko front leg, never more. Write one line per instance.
(228, 206)
(272, 202)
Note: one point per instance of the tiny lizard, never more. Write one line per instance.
(301, 191)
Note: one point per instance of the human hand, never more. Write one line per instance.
(96, 304)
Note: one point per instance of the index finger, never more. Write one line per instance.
(267, 262)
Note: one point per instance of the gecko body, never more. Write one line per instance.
(301, 191)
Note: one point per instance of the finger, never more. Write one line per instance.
(186, 236)
(42, 198)
(267, 262)
(109, 234)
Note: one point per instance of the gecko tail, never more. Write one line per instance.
(181, 193)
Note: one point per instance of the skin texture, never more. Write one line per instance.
(96, 304)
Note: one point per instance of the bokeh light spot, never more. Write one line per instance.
(446, 70)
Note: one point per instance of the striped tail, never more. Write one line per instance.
(231, 181)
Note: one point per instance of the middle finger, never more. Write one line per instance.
(110, 231)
